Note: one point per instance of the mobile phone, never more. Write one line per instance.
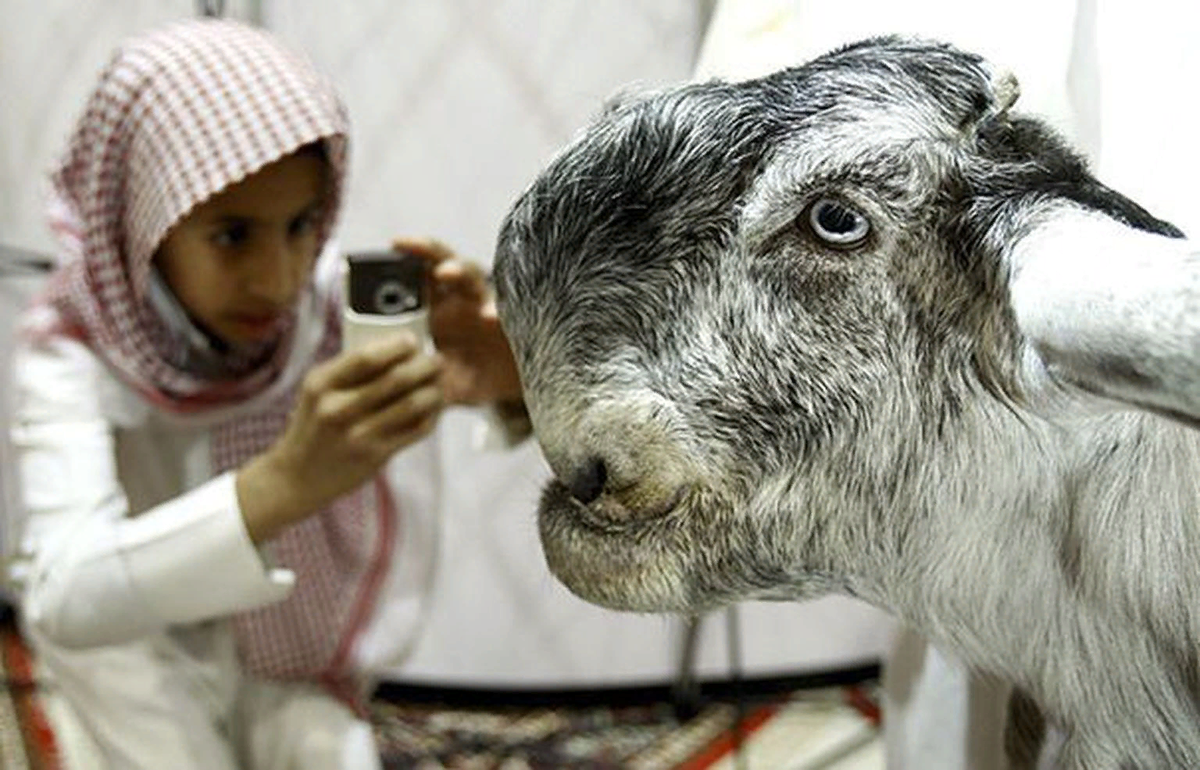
(386, 292)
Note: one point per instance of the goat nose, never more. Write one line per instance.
(588, 480)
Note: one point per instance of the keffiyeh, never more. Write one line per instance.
(177, 116)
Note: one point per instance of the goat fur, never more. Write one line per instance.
(977, 418)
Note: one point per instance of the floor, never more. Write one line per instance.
(771, 724)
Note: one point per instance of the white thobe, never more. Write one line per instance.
(133, 556)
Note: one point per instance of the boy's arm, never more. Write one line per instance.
(87, 572)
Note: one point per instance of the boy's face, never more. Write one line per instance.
(238, 262)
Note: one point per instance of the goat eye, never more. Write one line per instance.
(837, 224)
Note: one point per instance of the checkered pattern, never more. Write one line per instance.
(338, 558)
(178, 115)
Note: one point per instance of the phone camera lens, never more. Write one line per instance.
(393, 297)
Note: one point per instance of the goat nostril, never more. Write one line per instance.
(588, 481)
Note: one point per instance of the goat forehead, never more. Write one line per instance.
(663, 193)
(680, 159)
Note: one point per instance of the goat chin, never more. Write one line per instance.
(856, 326)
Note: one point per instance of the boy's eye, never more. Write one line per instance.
(231, 235)
(302, 224)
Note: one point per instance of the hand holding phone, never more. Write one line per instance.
(386, 292)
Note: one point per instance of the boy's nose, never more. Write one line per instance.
(276, 277)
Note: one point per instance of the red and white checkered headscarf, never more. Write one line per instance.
(179, 115)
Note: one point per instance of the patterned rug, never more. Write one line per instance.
(806, 722)
(807, 729)
(26, 741)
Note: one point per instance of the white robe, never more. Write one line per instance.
(133, 555)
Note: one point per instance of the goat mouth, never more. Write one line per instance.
(610, 513)
(636, 564)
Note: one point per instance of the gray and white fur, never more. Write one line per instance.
(977, 413)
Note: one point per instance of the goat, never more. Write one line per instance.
(857, 326)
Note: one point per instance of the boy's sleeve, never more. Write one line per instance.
(88, 573)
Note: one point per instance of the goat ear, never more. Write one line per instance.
(1005, 90)
(1112, 310)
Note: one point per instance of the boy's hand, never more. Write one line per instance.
(479, 367)
(354, 412)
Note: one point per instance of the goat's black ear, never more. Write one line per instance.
(1112, 310)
